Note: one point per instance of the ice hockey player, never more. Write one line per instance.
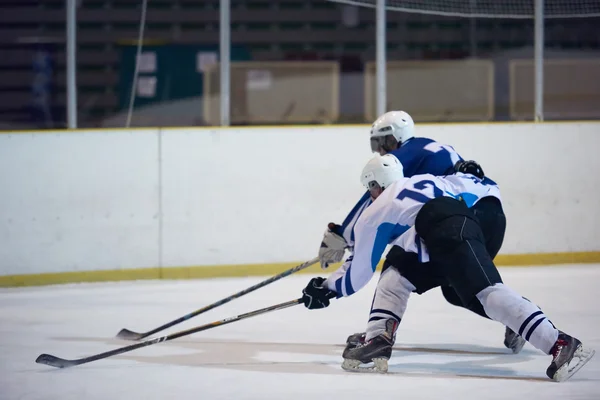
(394, 133)
(431, 217)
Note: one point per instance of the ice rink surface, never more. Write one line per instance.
(442, 352)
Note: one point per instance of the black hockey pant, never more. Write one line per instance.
(492, 221)
(460, 262)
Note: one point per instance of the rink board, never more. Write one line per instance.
(223, 271)
(151, 203)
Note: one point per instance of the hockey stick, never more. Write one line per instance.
(130, 335)
(57, 362)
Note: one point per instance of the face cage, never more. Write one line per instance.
(387, 143)
(374, 186)
(377, 143)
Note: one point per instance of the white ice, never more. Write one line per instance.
(442, 352)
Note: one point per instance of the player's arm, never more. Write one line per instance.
(338, 238)
(347, 226)
(353, 274)
(469, 167)
(371, 241)
(372, 237)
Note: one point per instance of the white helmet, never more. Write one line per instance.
(384, 170)
(396, 123)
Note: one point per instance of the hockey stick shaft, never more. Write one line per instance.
(130, 335)
(57, 362)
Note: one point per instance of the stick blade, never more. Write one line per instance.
(126, 334)
(53, 361)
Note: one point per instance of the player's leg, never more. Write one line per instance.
(402, 259)
(493, 225)
(505, 305)
(456, 245)
(402, 274)
(492, 220)
(512, 340)
(387, 309)
(452, 297)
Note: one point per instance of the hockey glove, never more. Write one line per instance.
(315, 295)
(332, 247)
(469, 167)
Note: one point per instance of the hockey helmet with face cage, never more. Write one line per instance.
(399, 124)
(381, 171)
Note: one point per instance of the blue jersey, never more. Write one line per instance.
(425, 156)
(418, 156)
(391, 218)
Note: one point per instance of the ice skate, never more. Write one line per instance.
(356, 339)
(513, 341)
(371, 356)
(569, 355)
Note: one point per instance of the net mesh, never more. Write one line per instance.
(489, 8)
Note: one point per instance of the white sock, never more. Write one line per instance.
(389, 301)
(504, 305)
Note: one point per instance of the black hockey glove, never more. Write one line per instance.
(315, 296)
(469, 167)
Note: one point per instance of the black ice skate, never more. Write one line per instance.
(356, 339)
(569, 356)
(513, 341)
(371, 356)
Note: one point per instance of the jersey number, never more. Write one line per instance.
(435, 147)
(420, 197)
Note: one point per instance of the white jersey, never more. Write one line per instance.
(390, 219)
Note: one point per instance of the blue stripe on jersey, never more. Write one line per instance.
(488, 181)
(338, 287)
(396, 234)
(419, 251)
(358, 205)
(348, 283)
(384, 233)
(469, 198)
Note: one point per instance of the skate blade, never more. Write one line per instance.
(378, 366)
(580, 358)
